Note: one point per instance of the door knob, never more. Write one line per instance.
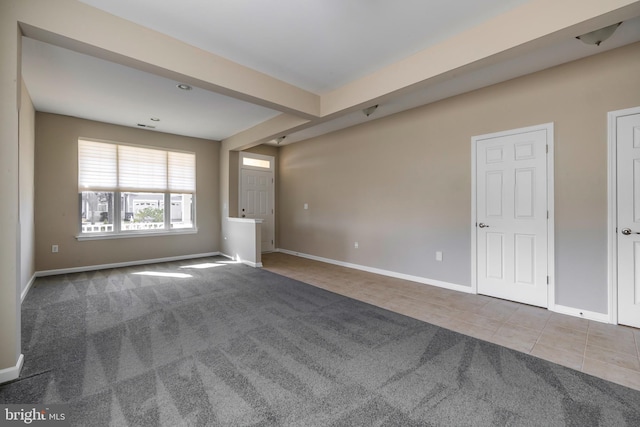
(483, 225)
(627, 231)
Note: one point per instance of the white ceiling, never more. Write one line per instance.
(565, 51)
(316, 45)
(65, 82)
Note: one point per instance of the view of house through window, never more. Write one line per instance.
(126, 189)
(97, 211)
(181, 211)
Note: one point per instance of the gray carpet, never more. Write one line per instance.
(230, 345)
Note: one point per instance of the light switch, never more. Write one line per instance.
(306, 206)
(438, 255)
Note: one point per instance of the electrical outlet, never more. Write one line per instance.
(54, 249)
(355, 245)
(306, 206)
(438, 255)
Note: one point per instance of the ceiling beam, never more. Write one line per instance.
(74, 25)
(275, 127)
(533, 25)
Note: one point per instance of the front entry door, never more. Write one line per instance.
(256, 201)
(511, 215)
(627, 134)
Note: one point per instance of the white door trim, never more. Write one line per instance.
(612, 211)
(548, 127)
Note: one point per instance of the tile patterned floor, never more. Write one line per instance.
(606, 351)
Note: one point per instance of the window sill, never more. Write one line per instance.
(107, 236)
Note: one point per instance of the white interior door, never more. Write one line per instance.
(256, 201)
(628, 179)
(511, 215)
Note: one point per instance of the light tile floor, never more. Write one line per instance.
(606, 351)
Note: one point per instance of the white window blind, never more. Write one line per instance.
(141, 169)
(97, 166)
(181, 172)
(106, 166)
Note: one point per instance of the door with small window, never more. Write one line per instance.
(257, 194)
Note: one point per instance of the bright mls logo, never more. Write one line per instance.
(36, 415)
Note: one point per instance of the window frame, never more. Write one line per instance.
(118, 218)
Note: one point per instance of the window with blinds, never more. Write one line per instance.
(126, 189)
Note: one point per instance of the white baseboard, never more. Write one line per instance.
(249, 263)
(418, 279)
(122, 264)
(584, 314)
(26, 289)
(570, 311)
(253, 264)
(10, 374)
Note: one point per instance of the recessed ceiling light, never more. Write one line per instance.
(183, 86)
(154, 119)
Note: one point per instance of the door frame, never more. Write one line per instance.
(271, 169)
(612, 211)
(549, 128)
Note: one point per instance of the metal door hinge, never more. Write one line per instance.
(547, 148)
(547, 280)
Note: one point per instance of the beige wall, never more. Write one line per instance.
(27, 117)
(401, 185)
(234, 183)
(10, 85)
(56, 184)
